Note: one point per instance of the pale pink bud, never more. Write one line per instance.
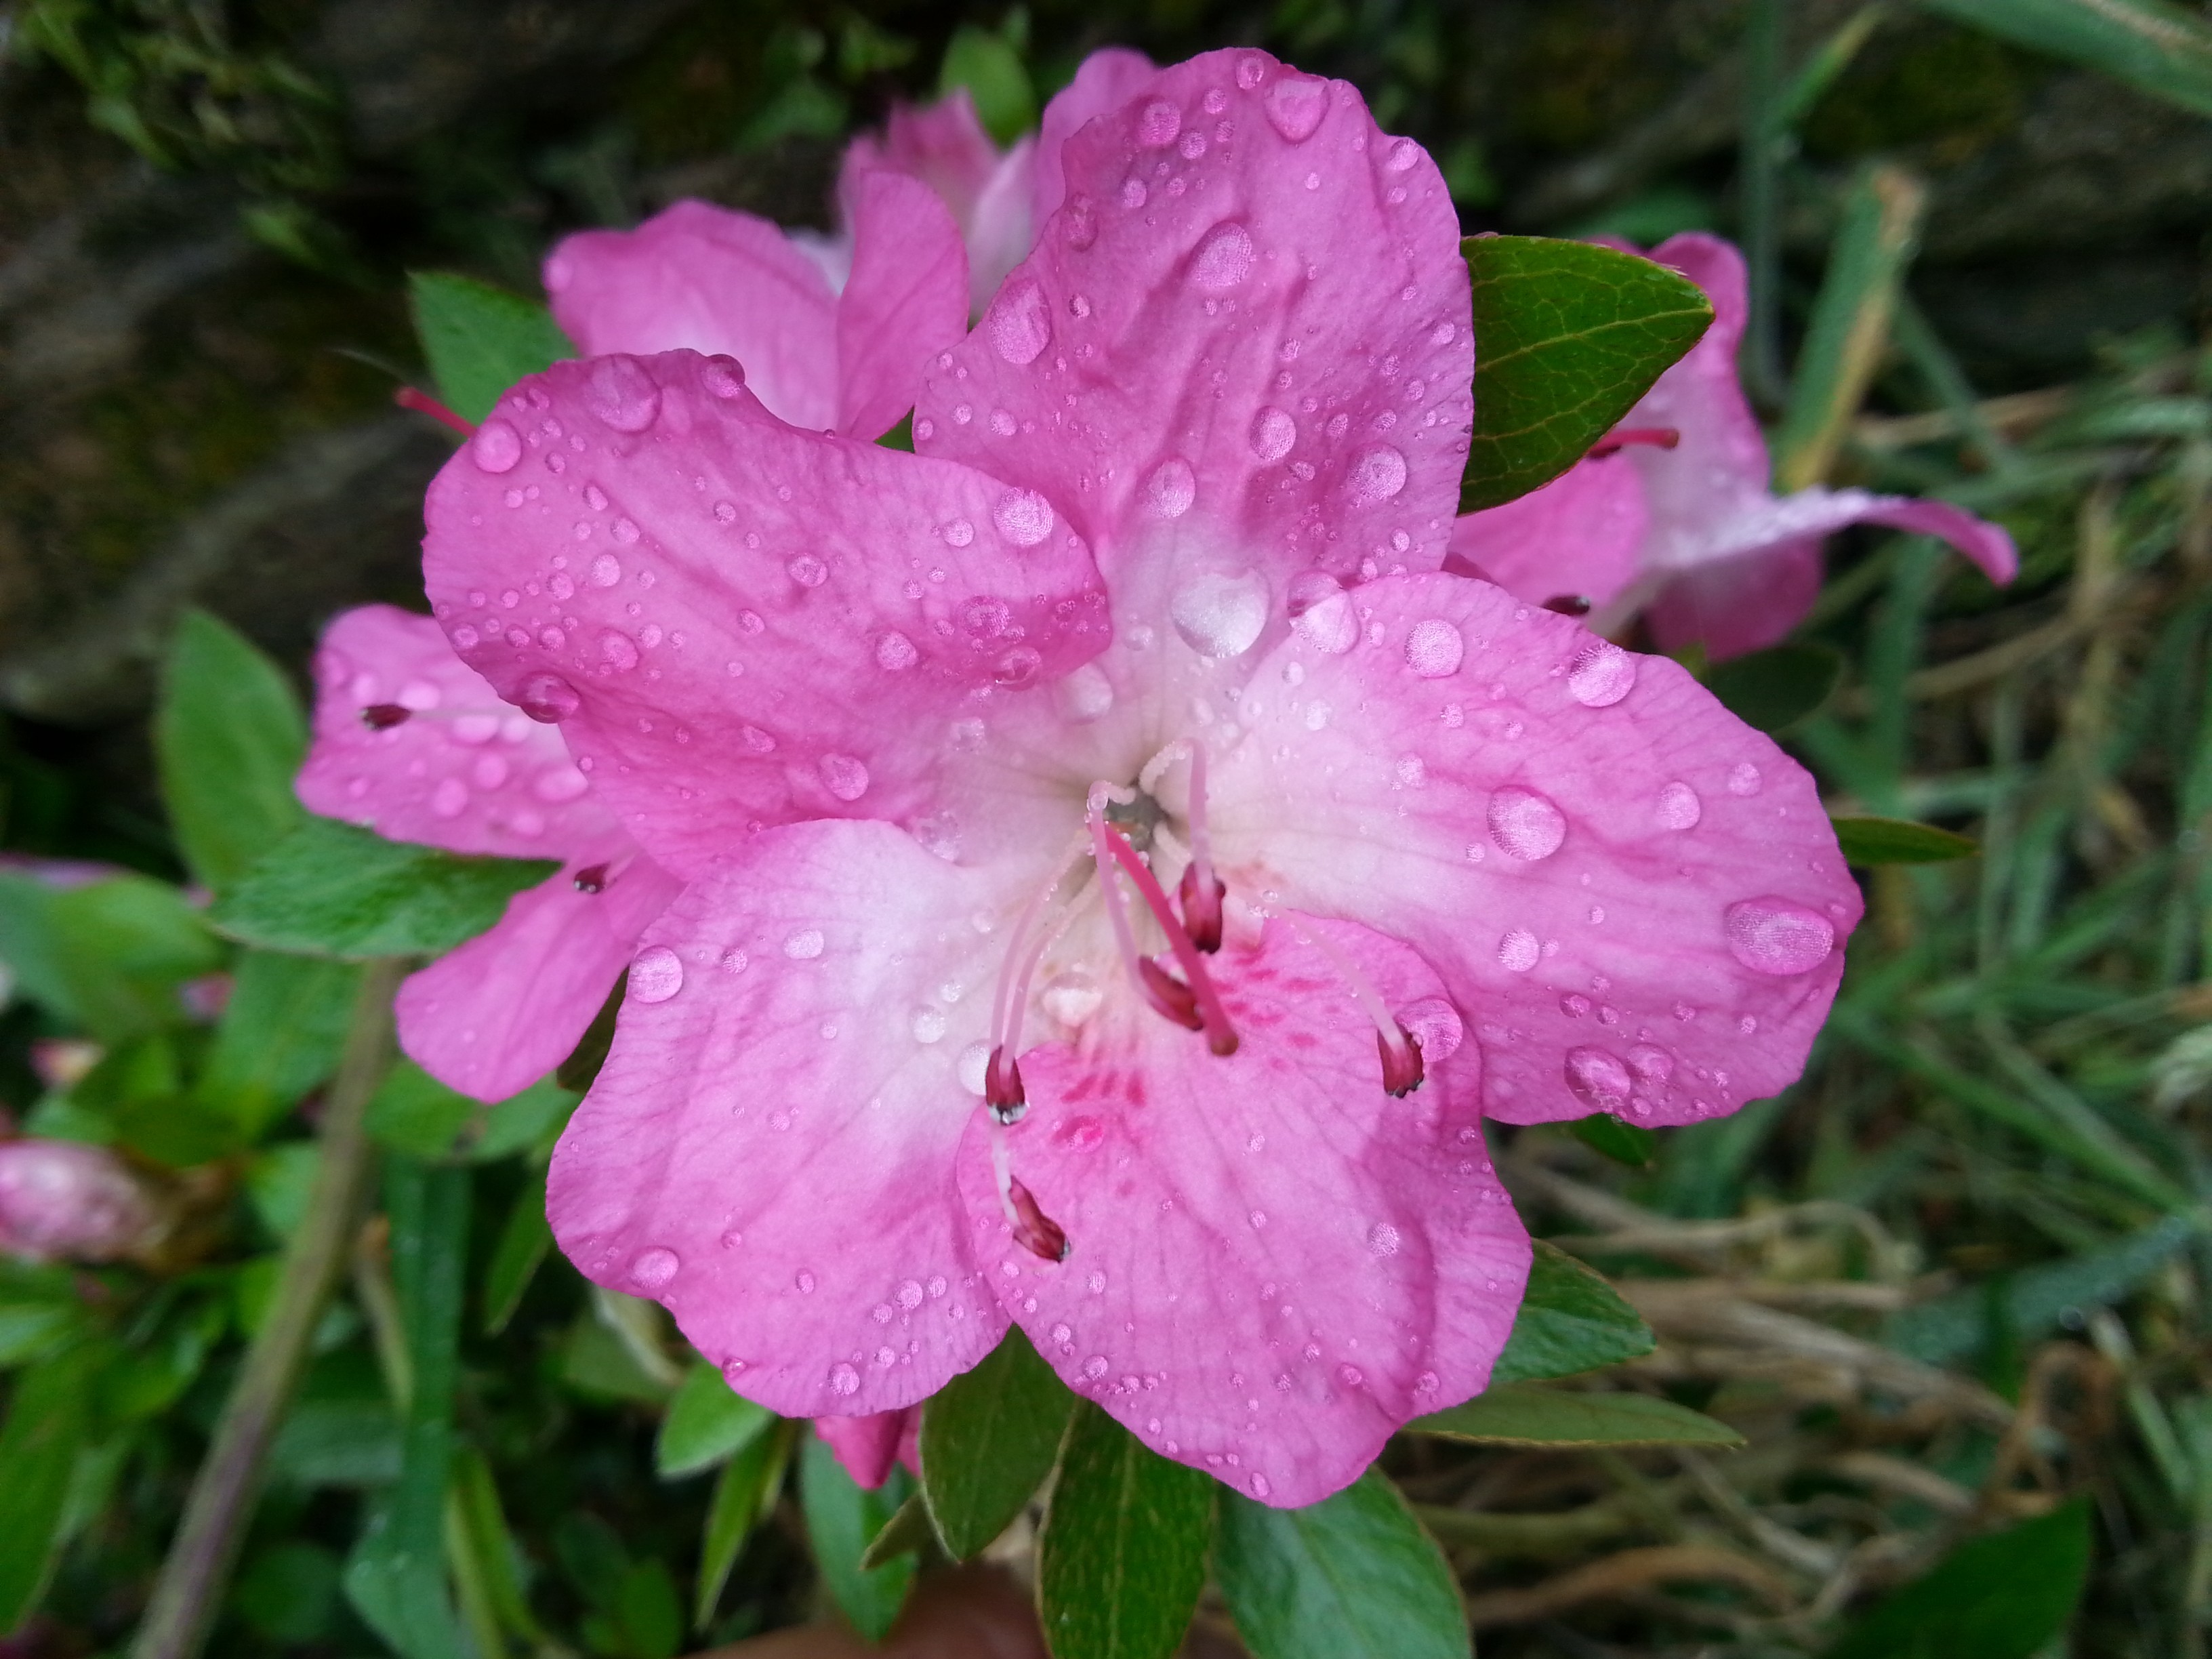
(64, 1199)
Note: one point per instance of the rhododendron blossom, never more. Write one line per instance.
(1124, 868)
(1674, 517)
(63, 1200)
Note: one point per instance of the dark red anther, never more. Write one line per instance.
(591, 880)
(424, 404)
(383, 716)
(1002, 1087)
(1034, 1230)
(1568, 604)
(1169, 995)
(1656, 437)
(1401, 1063)
(1201, 910)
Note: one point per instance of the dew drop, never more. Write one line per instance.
(894, 651)
(844, 1380)
(1273, 433)
(1601, 675)
(1223, 259)
(1086, 695)
(1220, 613)
(606, 570)
(1598, 1079)
(1377, 473)
(1773, 936)
(958, 533)
(1518, 951)
(1024, 517)
(1525, 824)
(843, 776)
(546, 698)
(620, 392)
(656, 975)
(1020, 322)
(1743, 779)
(929, 1025)
(1383, 1239)
(1157, 124)
(617, 650)
(1171, 489)
(1321, 612)
(1434, 649)
(807, 570)
(723, 377)
(804, 945)
(1295, 106)
(654, 1268)
(1679, 807)
(496, 447)
(1435, 1024)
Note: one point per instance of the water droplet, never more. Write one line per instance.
(1223, 259)
(1079, 222)
(807, 570)
(723, 377)
(804, 1281)
(1435, 1024)
(625, 531)
(1434, 649)
(971, 1065)
(1020, 322)
(1273, 435)
(1403, 156)
(1773, 936)
(654, 1268)
(843, 776)
(1260, 1487)
(1679, 807)
(958, 533)
(621, 391)
(1220, 613)
(617, 650)
(929, 1025)
(1024, 517)
(1597, 1079)
(843, 1379)
(1321, 612)
(1383, 1239)
(804, 945)
(1295, 106)
(894, 651)
(1085, 695)
(1525, 824)
(546, 698)
(1377, 473)
(1601, 675)
(1518, 951)
(732, 1370)
(656, 975)
(496, 447)
(1094, 1367)
(1743, 779)
(1172, 488)
(1017, 668)
(1157, 124)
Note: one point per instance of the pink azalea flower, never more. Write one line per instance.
(926, 1046)
(1686, 530)
(63, 1200)
(412, 743)
(869, 1446)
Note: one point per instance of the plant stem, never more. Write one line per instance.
(189, 1592)
(1759, 185)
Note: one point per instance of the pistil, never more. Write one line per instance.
(1657, 437)
(1401, 1052)
(1109, 848)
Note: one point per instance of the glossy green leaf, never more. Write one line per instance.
(2005, 1597)
(416, 1114)
(707, 1424)
(744, 1492)
(842, 1519)
(39, 1310)
(1571, 1321)
(105, 958)
(1567, 337)
(279, 1036)
(479, 339)
(288, 1593)
(910, 1532)
(2153, 46)
(331, 889)
(1774, 688)
(988, 1439)
(1523, 1414)
(47, 1424)
(988, 66)
(1893, 841)
(1624, 1143)
(1352, 1576)
(1122, 1557)
(229, 739)
(523, 1242)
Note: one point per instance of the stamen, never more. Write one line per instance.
(1033, 1230)
(591, 880)
(1568, 604)
(1658, 437)
(1403, 1070)
(383, 716)
(424, 404)
(1220, 1036)
(1002, 1087)
(1201, 891)
(1169, 994)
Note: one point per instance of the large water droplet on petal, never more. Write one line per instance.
(621, 391)
(606, 570)
(1773, 936)
(1295, 106)
(1085, 695)
(1171, 489)
(1274, 433)
(656, 975)
(1526, 824)
(1434, 649)
(894, 651)
(1377, 473)
(1020, 323)
(1601, 675)
(1383, 1239)
(1435, 1024)
(843, 776)
(1223, 259)
(1518, 951)
(1220, 613)
(1157, 122)
(843, 1379)
(723, 377)
(1321, 612)
(1024, 517)
(546, 698)
(496, 447)
(654, 1268)
(1678, 807)
(617, 650)
(1598, 1079)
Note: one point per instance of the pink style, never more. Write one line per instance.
(1124, 868)
(1688, 534)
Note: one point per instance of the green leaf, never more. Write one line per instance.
(2154, 46)
(648, 1612)
(1122, 1557)
(842, 1519)
(1521, 1414)
(138, 1091)
(337, 1442)
(988, 1439)
(40, 1311)
(2000, 1597)
(47, 1420)
(1567, 337)
(1774, 688)
(1352, 1576)
(910, 1532)
(105, 958)
(901, 435)
(416, 1114)
(331, 890)
(1893, 840)
(988, 66)
(479, 339)
(279, 1036)
(229, 737)
(472, 1507)
(1624, 1143)
(523, 1244)
(707, 1424)
(290, 1592)
(1571, 1321)
(744, 1492)
(281, 1183)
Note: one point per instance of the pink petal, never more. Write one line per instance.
(1636, 901)
(999, 230)
(769, 1150)
(1732, 606)
(463, 771)
(710, 280)
(1246, 329)
(942, 144)
(1579, 535)
(1103, 83)
(869, 1446)
(1273, 1264)
(906, 301)
(693, 562)
(492, 1017)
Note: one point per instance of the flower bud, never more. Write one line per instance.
(62, 1200)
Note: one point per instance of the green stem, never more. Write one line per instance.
(1760, 187)
(189, 1592)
